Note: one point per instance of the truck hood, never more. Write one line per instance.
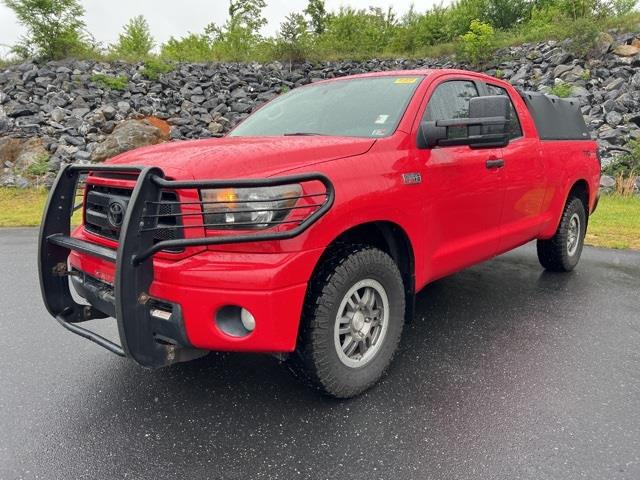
(242, 157)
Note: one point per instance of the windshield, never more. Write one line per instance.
(363, 107)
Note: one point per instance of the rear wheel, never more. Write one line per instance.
(561, 253)
(352, 322)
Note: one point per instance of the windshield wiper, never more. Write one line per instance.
(303, 134)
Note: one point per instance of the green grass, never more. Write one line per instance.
(24, 207)
(562, 90)
(111, 83)
(153, 68)
(21, 208)
(615, 224)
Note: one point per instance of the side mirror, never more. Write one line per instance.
(486, 127)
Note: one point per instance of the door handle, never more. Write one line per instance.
(496, 163)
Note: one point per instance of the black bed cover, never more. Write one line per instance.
(556, 118)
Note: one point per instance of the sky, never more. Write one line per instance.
(105, 18)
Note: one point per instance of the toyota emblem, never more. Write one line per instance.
(115, 213)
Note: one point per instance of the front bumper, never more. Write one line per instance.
(127, 287)
(271, 286)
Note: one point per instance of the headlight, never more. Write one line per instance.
(248, 208)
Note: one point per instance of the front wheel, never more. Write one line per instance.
(352, 322)
(561, 252)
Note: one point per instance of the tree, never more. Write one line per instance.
(191, 48)
(241, 32)
(247, 14)
(135, 41)
(55, 28)
(293, 37)
(317, 12)
(478, 44)
(506, 14)
(351, 32)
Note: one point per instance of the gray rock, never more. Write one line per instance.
(58, 114)
(75, 141)
(614, 83)
(520, 75)
(80, 112)
(82, 156)
(607, 182)
(124, 107)
(613, 118)
(57, 100)
(16, 109)
(128, 135)
(55, 162)
(109, 112)
(579, 92)
(611, 135)
(215, 127)
(240, 107)
(21, 182)
(560, 70)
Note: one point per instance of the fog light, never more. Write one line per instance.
(247, 319)
(235, 321)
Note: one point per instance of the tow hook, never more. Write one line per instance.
(61, 270)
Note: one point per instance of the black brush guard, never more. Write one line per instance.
(130, 301)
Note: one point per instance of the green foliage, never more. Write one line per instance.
(154, 67)
(583, 33)
(622, 7)
(542, 23)
(478, 44)
(561, 89)
(135, 41)
(471, 28)
(111, 83)
(357, 33)
(55, 28)
(294, 41)
(415, 31)
(462, 13)
(505, 14)
(237, 38)
(317, 12)
(39, 167)
(626, 165)
(192, 48)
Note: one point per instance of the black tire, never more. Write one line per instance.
(559, 254)
(316, 360)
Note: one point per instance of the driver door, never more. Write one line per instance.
(464, 187)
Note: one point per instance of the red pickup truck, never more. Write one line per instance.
(307, 231)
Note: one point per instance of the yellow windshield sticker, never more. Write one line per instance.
(406, 80)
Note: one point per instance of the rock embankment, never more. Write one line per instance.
(81, 111)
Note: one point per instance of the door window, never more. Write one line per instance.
(450, 100)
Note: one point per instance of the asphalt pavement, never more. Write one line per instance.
(507, 372)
